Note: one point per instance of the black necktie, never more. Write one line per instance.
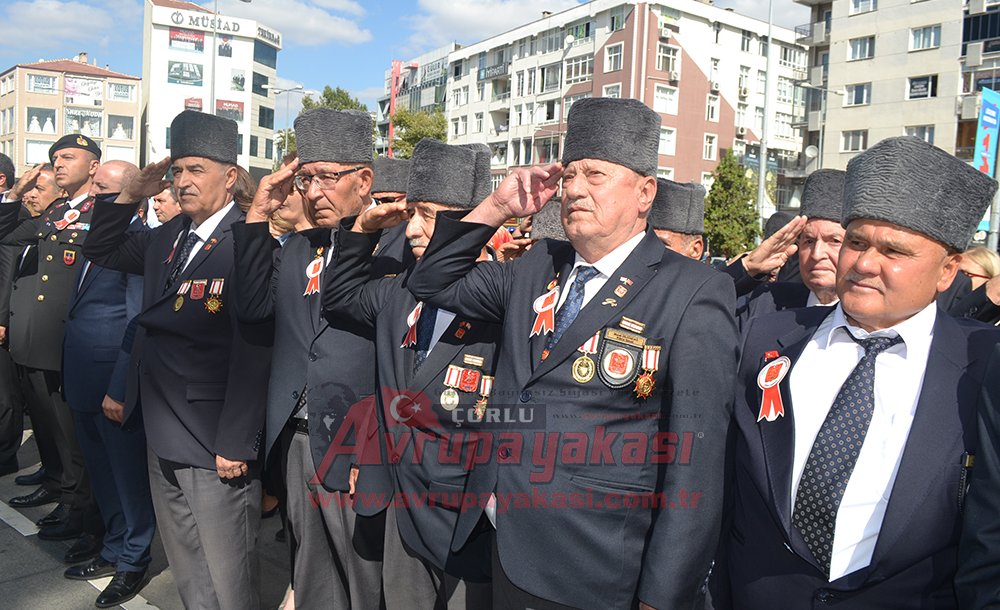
(425, 330)
(180, 260)
(572, 305)
(835, 452)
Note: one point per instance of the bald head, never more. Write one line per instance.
(111, 176)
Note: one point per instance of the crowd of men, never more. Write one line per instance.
(585, 415)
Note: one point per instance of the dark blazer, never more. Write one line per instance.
(977, 306)
(42, 293)
(769, 565)
(11, 214)
(333, 357)
(769, 298)
(384, 305)
(601, 555)
(95, 361)
(202, 374)
(978, 579)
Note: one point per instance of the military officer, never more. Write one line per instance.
(201, 372)
(435, 374)
(625, 351)
(38, 307)
(678, 217)
(321, 368)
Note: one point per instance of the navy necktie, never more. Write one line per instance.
(181, 259)
(572, 305)
(425, 330)
(835, 453)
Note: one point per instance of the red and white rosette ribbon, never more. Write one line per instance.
(313, 269)
(411, 321)
(545, 308)
(768, 379)
(651, 358)
(69, 218)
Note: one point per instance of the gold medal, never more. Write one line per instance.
(480, 409)
(644, 385)
(583, 369)
(178, 303)
(449, 399)
(213, 304)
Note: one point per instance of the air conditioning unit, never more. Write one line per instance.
(664, 33)
(974, 54)
(715, 85)
(744, 91)
(675, 75)
(741, 132)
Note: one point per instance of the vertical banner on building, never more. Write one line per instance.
(985, 156)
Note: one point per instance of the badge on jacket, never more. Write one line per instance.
(768, 380)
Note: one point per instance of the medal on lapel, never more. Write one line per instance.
(211, 244)
(645, 384)
(768, 379)
(411, 321)
(485, 388)
(313, 269)
(69, 256)
(619, 356)
(452, 379)
(68, 218)
(198, 289)
(181, 291)
(583, 367)
(545, 310)
(214, 302)
(89, 203)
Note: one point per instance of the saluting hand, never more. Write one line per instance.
(272, 191)
(24, 184)
(772, 253)
(381, 217)
(353, 480)
(230, 469)
(522, 193)
(147, 183)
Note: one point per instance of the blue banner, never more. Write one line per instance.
(985, 156)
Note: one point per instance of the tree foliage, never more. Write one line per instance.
(731, 222)
(413, 126)
(338, 99)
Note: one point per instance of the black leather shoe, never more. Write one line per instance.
(86, 548)
(9, 467)
(59, 514)
(28, 480)
(123, 587)
(97, 568)
(66, 530)
(39, 497)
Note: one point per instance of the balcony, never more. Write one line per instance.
(812, 34)
(494, 71)
(500, 96)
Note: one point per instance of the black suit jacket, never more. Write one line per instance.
(202, 374)
(385, 305)
(11, 214)
(765, 560)
(769, 298)
(601, 554)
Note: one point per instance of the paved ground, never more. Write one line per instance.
(31, 569)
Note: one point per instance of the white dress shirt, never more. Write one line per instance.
(605, 269)
(816, 378)
(812, 300)
(203, 231)
(441, 323)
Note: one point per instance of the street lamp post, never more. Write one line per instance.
(288, 113)
(765, 130)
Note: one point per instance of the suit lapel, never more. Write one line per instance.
(640, 266)
(215, 240)
(562, 262)
(443, 353)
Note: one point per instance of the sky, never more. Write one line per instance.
(346, 43)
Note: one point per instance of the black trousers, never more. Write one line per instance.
(11, 409)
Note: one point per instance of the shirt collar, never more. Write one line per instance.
(77, 200)
(611, 261)
(812, 300)
(205, 229)
(917, 331)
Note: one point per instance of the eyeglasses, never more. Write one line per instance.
(970, 275)
(324, 181)
(389, 199)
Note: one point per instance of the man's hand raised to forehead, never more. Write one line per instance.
(24, 184)
(272, 191)
(148, 182)
(381, 217)
(772, 253)
(522, 193)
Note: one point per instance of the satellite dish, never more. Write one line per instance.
(570, 39)
(811, 152)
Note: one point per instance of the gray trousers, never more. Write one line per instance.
(412, 582)
(209, 532)
(338, 553)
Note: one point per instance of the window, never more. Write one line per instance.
(548, 150)
(618, 16)
(481, 92)
(166, 140)
(712, 108)
(456, 69)
(579, 69)
(580, 31)
(668, 141)
(552, 40)
(259, 80)
(761, 82)
(482, 60)
(745, 41)
(515, 149)
(714, 74)
(571, 100)
(479, 123)
(39, 83)
(792, 58)
(666, 58)
(551, 111)
(265, 54)
(550, 77)
(758, 119)
(613, 58)
(740, 148)
(87, 122)
(612, 90)
(707, 180)
(531, 81)
(83, 91)
(925, 38)
(710, 151)
(527, 152)
(854, 141)
(922, 87)
(741, 115)
(268, 148)
(744, 77)
(519, 80)
(763, 47)
(861, 48)
(924, 132)
(858, 95)
(783, 126)
(665, 172)
(454, 127)
(36, 151)
(522, 48)
(463, 125)
(786, 90)
(120, 127)
(41, 120)
(254, 144)
(665, 99)
(495, 180)
(456, 97)
(265, 118)
(120, 92)
(518, 115)
(529, 113)
(863, 6)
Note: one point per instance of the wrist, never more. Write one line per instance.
(253, 216)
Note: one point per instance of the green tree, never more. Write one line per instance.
(338, 99)
(413, 126)
(731, 223)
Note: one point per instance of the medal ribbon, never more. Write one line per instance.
(590, 346)
(545, 307)
(313, 270)
(651, 358)
(70, 217)
(486, 386)
(411, 321)
(453, 376)
(184, 287)
(217, 286)
(769, 380)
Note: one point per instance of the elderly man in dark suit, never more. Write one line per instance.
(11, 400)
(435, 372)
(678, 217)
(201, 371)
(856, 423)
(624, 353)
